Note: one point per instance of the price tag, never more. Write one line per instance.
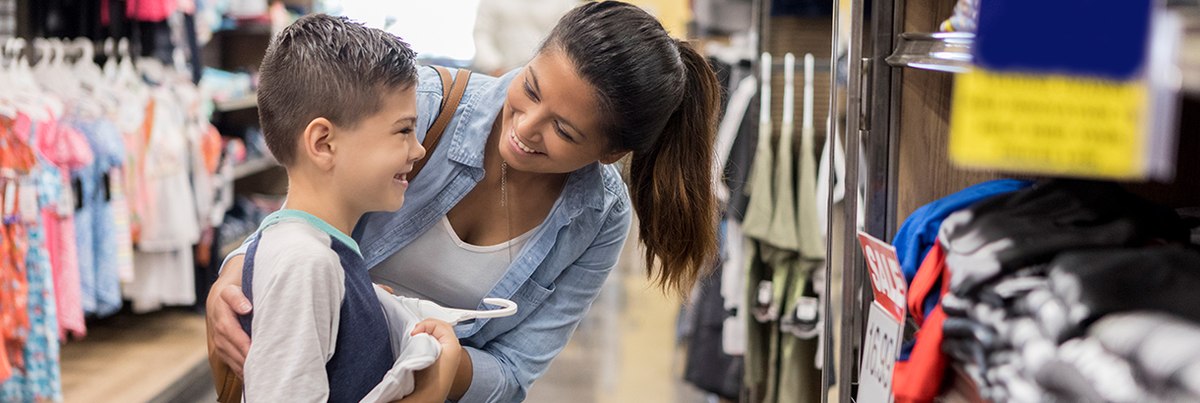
(885, 319)
(1088, 103)
(881, 347)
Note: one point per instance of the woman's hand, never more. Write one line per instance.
(433, 384)
(225, 302)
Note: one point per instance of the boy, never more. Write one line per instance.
(337, 104)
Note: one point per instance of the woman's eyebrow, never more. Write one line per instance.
(533, 75)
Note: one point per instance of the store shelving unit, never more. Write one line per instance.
(942, 51)
(896, 131)
(950, 52)
(245, 102)
(253, 166)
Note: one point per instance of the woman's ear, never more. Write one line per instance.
(317, 143)
(614, 156)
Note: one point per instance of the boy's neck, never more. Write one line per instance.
(322, 203)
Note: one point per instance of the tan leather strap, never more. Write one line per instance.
(452, 93)
(229, 388)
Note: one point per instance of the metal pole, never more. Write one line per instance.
(830, 367)
(853, 269)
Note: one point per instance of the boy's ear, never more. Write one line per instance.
(317, 143)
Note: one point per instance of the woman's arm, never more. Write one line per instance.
(504, 368)
(226, 339)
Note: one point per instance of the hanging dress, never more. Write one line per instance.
(40, 378)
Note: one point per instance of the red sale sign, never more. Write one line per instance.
(887, 280)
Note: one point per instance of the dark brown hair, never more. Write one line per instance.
(331, 67)
(661, 99)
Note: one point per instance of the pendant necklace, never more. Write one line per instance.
(507, 209)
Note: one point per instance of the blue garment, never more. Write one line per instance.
(94, 220)
(920, 231)
(362, 353)
(554, 278)
(41, 379)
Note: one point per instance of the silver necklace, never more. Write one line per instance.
(505, 205)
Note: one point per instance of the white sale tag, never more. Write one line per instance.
(881, 347)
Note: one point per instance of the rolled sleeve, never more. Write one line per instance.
(488, 377)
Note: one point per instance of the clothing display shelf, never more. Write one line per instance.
(942, 51)
(253, 166)
(247, 101)
(950, 52)
(895, 126)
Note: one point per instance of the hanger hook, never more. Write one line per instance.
(87, 47)
(19, 48)
(123, 48)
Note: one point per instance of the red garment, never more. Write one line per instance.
(16, 159)
(920, 378)
(65, 149)
(150, 10)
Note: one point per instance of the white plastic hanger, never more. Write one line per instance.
(27, 97)
(7, 109)
(429, 309)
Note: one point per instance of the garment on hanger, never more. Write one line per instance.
(708, 366)
(62, 150)
(16, 158)
(150, 10)
(163, 261)
(96, 231)
(40, 379)
(783, 249)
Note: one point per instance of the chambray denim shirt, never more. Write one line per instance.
(556, 275)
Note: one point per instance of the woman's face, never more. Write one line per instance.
(551, 119)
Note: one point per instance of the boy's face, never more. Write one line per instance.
(374, 158)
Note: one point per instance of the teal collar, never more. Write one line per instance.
(287, 214)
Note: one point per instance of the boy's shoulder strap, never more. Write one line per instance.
(452, 93)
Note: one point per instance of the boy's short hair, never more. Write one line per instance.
(331, 67)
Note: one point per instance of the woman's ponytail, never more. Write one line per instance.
(671, 183)
(661, 99)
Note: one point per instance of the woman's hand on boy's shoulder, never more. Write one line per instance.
(226, 338)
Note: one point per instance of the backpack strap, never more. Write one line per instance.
(452, 93)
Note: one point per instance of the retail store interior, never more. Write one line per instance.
(948, 200)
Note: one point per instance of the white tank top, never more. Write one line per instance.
(440, 267)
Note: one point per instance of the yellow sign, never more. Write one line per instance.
(1049, 124)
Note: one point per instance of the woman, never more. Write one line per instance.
(524, 166)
